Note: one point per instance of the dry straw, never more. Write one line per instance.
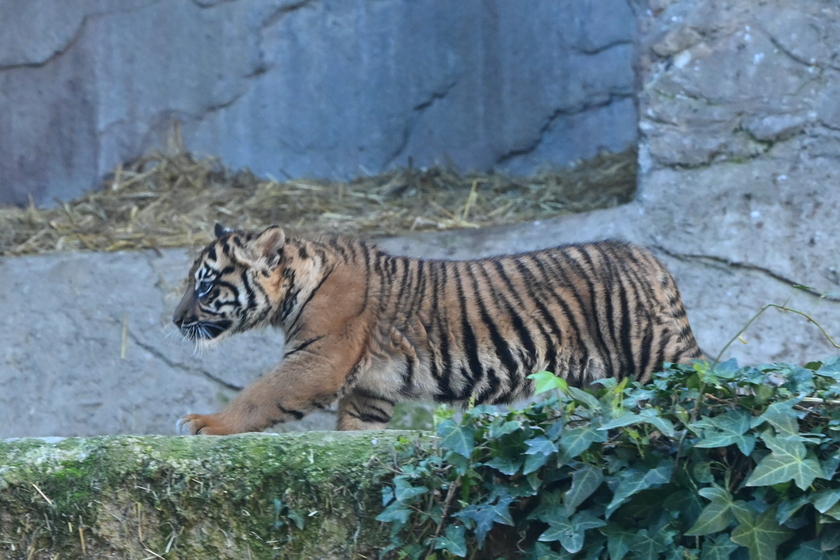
(173, 199)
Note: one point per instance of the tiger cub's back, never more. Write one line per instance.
(478, 328)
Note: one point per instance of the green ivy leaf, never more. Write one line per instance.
(648, 546)
(716, 516)
(810, 550)
(575, 441)
(485, 515)
(550, 506)
(834, 512)
(726, 370)
(781, 416)
(825, 500)
(585, 481)
(459, 439)
(761, 535)
(539, 450)
(453, 541)
(646, 416)
(702, 472)
(787, 508)
(619, 541)
(570, 531)
(533, 463)
(541, 551)
(499, 427)
(830, 537)
(727, 429)
(788, 460)
(540, 445)
(387, 495)
(506, 465)
(583, 397)
(718, 548)
(403, 490)
(636, 480)
(295, 516)
(546, 381)
(395, 513)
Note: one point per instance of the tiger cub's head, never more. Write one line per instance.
(233, 284)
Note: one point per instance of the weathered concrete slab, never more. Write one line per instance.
(327, 88)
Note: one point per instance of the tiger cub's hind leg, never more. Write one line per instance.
(362, 410)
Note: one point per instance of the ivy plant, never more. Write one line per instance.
(706, 462)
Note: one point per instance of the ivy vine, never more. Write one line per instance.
(707, 462)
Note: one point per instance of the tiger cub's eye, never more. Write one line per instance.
(203, 288)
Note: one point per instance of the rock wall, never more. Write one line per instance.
(251, 496)
(327, 88)
(739, 152)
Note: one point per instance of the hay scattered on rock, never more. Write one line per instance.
(173, 200)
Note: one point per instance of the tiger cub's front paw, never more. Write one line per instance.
(203, 424)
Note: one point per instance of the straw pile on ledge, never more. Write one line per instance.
(173, 200)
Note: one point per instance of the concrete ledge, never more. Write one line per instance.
(312, 495)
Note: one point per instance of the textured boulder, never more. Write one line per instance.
(324, 88)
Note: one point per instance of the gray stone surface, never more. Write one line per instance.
(328, 88)
(740, 146)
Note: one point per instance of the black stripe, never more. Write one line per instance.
(579, 340)
(644, 360)
(503, 351)
(408, 376)
(518, 324)
(617, 316)
(644, 295)
(420, 287)
(306, 302)
(470, 343)
(364, 393)
(296, 414)
(370, 418)
(595, 323)
(303, 345)
(443, 329)
(249, 291)
(552, 341)
(433, 335)
(405, 281)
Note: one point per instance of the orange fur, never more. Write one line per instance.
(370, 329)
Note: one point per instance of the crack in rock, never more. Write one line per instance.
(279, 13)
(552, 119)
(598, 50)
(175, 365)
(61, 50)
(417, 113)
(796, 58)
(706, 259)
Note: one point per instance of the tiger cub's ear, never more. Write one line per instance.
(220, 230)
(265, 249)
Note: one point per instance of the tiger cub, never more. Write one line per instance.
(371, 329)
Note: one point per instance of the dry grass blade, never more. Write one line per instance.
(173, 200)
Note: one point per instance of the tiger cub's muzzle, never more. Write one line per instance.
(194, 327)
